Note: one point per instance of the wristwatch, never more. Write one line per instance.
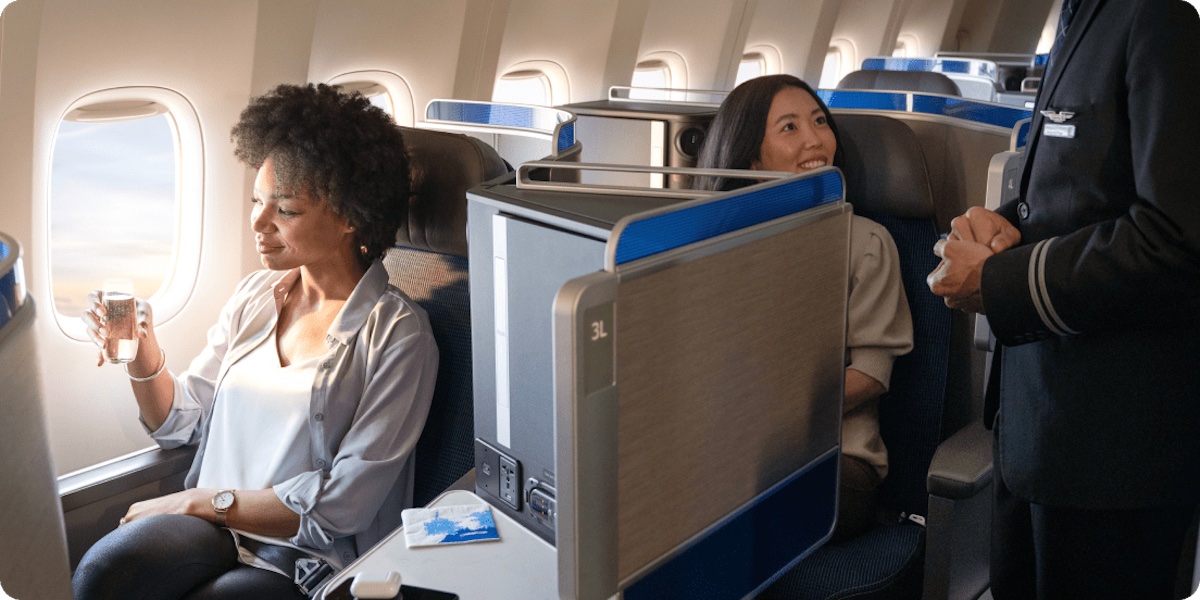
(221, 503)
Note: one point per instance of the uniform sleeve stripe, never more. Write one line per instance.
(1045, 293)
(1035, 285)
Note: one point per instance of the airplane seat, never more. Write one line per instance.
(429, 264)
(33, 542)
(927, 82)
(887, 181)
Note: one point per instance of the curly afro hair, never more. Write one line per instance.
(337, 147)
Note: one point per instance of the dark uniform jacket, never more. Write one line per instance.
(1098, 308)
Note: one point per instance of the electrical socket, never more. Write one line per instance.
(510, 482)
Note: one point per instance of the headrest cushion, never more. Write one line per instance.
(904, 81)
(884, 167)
(444, 166)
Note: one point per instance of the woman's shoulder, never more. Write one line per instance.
(400, 315)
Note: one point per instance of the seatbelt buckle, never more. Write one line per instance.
(311, 574)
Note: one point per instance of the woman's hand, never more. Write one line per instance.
(94, 320)
(195, 502)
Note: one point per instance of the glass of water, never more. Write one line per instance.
(121, 343)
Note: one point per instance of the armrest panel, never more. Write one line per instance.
(112, 478)
(962, 465)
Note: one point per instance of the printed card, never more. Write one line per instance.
(448, 525)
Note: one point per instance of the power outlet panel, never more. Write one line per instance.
(510, 482)
(487, 469)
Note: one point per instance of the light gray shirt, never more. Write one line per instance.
(370, 398)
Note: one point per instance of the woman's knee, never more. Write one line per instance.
(139, 556)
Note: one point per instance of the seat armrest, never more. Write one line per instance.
(962, 465)
(109, 479)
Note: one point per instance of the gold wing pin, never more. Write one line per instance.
(1058, 117)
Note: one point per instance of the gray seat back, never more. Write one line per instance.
(429, 263)
(906, 81)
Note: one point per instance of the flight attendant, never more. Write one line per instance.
(314, 386)
(1090, 280)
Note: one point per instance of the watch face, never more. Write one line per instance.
(223, 500)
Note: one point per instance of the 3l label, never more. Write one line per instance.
(597, 347)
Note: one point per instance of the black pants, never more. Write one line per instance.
(1050, 553)
(171, 557)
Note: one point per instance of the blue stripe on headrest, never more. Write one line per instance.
(864, 100)
(981, 68)
(679, 228)
(978, 112)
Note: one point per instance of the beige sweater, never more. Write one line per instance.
(879, 328)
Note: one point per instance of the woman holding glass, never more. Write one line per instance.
(777, 123)
(313, 388)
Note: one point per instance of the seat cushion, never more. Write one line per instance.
(888, 562)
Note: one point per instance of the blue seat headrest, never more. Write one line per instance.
(884, 167)
(444, 166)
(903, 81)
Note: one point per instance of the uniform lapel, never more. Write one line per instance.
(1079, 25)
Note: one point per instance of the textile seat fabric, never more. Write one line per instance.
(429, 264)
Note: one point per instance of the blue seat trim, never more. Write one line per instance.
(752, 546)
(980, 68)
(566, 136)
(865, 100)
(969, 110)
(8, 289)
(957, 108)
(678, 228)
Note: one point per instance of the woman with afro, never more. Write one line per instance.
(308, 399)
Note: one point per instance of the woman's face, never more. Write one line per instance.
(798, 136)
(291, 228)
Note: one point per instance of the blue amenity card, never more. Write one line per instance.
(448, 525)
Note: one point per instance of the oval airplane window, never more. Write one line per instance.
(384, 89)
(750, 67)
(124, 201)
(536, 82)
(523, 87)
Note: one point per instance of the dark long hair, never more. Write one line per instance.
(346, 152)
(734, 140)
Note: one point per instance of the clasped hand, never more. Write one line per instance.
(974, 236)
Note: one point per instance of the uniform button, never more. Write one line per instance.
(1023, 210)
(320, 463)
(326, 365)
(346, 556)
(319, 416)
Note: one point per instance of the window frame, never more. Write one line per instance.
(845, 51)
(179, 281)
(398, 91)
(553, 75)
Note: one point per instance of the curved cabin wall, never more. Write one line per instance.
(799, 29)
(427, 44)
(205, 52)
(578, 36)
(710, 40)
